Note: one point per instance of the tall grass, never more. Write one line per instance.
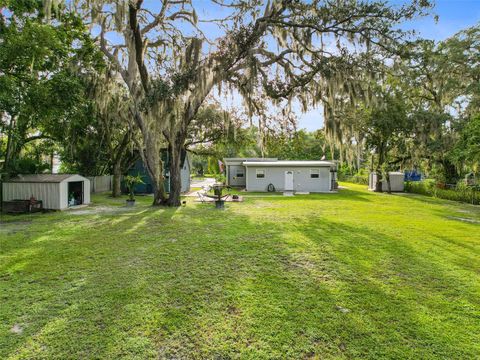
(460, 193)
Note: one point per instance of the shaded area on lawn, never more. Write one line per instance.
(283, 277)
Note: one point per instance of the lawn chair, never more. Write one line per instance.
(201, 196)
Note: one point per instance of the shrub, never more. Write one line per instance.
(429, 187)
(130, 182)
(220, 178)
(361, 177)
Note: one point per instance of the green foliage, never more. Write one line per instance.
(298, 145)
(220, 178)
(130, 182)
(41, 94)
(359, 177)
(213, 167)
(199, 164)
(467, 149)
(460, 193)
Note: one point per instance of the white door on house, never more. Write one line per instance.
(288, 180)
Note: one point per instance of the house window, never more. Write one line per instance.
(314, 173)
(240, 173)
(260, 174)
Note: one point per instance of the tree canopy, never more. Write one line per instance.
(103, 82)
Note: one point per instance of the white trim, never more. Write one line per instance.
(315, 172)
(289, 163)
(260, 171)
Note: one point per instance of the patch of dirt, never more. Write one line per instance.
(16, 329)
(13, 227)
(342, 309)
(468, 220)
(101, 210)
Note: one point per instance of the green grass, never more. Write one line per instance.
(347, 275)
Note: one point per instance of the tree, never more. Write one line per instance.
(386, 128)
(169, 73)
(440, 82)
(467, 149)
(115, 124)
(38, 86)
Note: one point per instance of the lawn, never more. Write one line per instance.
(347, 275)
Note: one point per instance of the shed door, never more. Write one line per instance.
(75, 193)
(289, 180)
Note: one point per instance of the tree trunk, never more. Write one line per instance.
(154, 166)
(381, 160)
(117, 174)
(389, 186)
(155, 170)
(378, 183)
(449, 171)
(150, 153)
(10, 147)
(175, 153)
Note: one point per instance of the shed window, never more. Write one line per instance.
(314, 173)
(240, 173)
(260, 174)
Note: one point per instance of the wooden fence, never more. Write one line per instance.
(100, 183)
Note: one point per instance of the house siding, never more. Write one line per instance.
(301, 179)
(147, 187)
(185, 175)
(233, 180)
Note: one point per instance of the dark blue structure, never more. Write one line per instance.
(413, 175)
(138, 168)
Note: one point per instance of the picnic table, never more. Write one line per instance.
(19, 206)
(218, 196)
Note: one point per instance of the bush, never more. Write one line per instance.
(220, 178)
(361, 177)
(429, 187)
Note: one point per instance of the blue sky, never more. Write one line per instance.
(454, 15)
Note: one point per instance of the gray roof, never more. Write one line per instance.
(41, 178)
(292, 163)
(248, 159)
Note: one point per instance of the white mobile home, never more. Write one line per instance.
(236, 172)
(56, 191)
(271, 174)
(296, 176)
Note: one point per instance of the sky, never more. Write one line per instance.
(454, 15)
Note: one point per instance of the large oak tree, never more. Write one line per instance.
(283, 49)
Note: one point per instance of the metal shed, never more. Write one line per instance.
(396, 182)
(57, 191)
